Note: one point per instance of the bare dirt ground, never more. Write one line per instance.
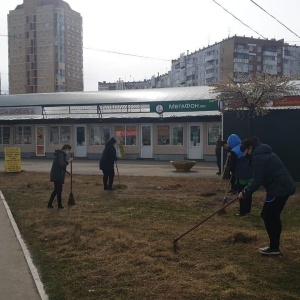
(119, 244)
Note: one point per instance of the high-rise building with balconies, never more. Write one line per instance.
(45, 48)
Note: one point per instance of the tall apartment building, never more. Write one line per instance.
(45, 48)
(227, 59)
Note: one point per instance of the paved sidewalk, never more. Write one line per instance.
(19, 279)
(125, 167)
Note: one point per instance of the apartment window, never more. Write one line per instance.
(258, 57)
(258, 49)
(4, 135)
(99, 135)
(213, 130)
(170, 135)
(126, 134)
(60, 135)
(23, 135)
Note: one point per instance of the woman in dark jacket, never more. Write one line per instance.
(269, 171)
(58, 172)
(107, 161)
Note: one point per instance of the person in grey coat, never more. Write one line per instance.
(269, 171)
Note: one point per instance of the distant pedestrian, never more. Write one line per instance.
(57, 175)
(218, 152)
(269, 171)
(107, 161)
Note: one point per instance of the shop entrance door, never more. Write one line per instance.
(80, 139)
(195, 145)
(146, 141)
(40, 141)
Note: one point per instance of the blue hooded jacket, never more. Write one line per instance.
(241, 169)
(234, 142)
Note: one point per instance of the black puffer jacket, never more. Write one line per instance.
(108, 158)
(269, 171)
(59, 165)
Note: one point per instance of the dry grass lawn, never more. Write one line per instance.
(118, 245)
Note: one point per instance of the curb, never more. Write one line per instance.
(33, 270)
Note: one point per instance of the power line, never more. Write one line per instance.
(127, 54)
(238, 19)
(101, 50)
(275, 19)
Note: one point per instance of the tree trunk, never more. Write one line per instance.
(250, 122)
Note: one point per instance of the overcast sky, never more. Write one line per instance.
(160, 29)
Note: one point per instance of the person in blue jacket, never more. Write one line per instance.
(107, 161)
(241, 172)
(269, 171)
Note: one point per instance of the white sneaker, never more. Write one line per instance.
(269, 251)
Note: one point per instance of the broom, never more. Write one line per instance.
(118, 174)
(71, 200)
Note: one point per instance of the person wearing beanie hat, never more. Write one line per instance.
(107, 161)
(269, 172)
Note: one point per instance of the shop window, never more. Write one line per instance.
(170, 135)
(4, 135)
(23, 135)
(99, 135)
(213, 130)
(126, 134)
(60, 135)
(163, 135)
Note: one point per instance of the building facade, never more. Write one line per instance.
(45, 48)
(228, 59)
(159, 124)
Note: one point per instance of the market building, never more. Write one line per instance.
(162, 124)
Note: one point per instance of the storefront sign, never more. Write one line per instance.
(12, 160)
(182, 106)
(30, 110)
(288, 101)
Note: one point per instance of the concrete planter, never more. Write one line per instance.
(183, 165)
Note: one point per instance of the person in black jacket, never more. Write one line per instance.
(58, 172)
(269, 171)
(108, 158)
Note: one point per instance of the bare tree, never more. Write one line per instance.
(253, 94)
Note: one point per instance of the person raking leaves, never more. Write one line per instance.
(269, 171)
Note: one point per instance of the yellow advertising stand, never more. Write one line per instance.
(12, 160)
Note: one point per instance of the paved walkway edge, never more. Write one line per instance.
(33, 270)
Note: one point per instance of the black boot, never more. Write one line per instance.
(50, 203)
(105, 185)
(110, 182)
